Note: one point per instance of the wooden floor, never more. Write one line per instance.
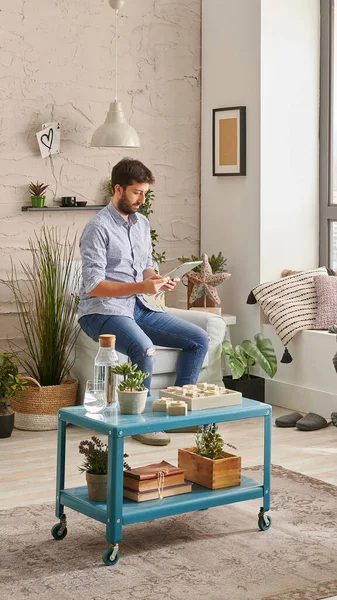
(28, 458)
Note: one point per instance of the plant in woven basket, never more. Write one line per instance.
(46, 308)
(209, 443)
(96, 457)
(11, 382)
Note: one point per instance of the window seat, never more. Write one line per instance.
(309, 383)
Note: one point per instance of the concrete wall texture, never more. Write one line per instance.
(58, 63)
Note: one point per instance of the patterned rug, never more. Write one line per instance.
(218, 554)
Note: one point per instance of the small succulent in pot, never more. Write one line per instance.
(37, 193)
(132, 393)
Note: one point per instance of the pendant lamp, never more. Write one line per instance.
(115, 131)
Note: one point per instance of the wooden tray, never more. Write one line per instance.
(229, 398)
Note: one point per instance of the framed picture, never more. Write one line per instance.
(229, 141)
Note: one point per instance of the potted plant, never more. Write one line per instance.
(95, 466)
(36, 194)
(47, 312)
(207, 464)
(217, 263)
(11, 384)
(245, 356)
(132, 394)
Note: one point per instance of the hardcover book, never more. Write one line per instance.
(152, 471)
(155, 494)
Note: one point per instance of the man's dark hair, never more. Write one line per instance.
(130, 170)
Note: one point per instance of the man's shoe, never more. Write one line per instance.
(155, 438)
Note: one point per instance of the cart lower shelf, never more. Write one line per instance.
(135, 512)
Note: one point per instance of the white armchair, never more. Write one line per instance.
(166, 358)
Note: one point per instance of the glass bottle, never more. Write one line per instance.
(107, 358)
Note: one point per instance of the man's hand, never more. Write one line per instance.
(152, 284)
(170, 285)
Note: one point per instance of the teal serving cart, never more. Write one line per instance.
(119, 511)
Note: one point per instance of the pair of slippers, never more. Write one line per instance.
(309, 422)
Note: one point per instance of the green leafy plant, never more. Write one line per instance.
(217, 262)
(46, 308)
(209, 443)
(248, 354)
(37, 189)
(11, 382)
(146, 210)
(132, 378)
(96, 457)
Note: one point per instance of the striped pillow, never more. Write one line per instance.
(290, 303)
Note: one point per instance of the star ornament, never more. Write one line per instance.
(204, 283)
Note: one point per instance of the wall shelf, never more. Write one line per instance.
(90, 207)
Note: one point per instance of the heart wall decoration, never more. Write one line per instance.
(49, 139)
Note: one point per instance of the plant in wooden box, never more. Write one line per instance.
(132, 393)
(207, 464)
(11, 384)
(37, 194)
(245, 356)
(95, 466)
(47, 312)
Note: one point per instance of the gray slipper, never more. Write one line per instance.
(311, 422)
(288, 420)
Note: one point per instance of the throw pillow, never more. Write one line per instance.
(290, 303)
(326, 290)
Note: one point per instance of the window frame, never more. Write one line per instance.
(327, 210)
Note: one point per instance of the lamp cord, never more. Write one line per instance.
(116, 36)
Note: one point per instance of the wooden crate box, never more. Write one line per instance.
(212, 474)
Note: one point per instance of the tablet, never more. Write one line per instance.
(183, 269)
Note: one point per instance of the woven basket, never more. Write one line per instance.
(38, 410)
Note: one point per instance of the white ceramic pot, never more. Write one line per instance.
(132, 403)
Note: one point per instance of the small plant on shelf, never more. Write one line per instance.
(11, 384)
(37, 196)
(96, 457)
(210, 444)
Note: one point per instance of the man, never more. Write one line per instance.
(117, 272)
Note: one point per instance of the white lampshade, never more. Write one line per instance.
(115, 131)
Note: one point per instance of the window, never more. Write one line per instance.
(328, 135)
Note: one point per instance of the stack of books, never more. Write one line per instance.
(155, 481)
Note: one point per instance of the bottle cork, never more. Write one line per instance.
(107, 340)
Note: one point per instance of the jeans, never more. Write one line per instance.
(136, 338)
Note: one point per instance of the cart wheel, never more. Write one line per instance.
(110, 556)
(264, 522)
(58, 532)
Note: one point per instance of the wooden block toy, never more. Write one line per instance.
(177, 407)
(161, 405)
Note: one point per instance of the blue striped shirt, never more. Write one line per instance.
(114, 249)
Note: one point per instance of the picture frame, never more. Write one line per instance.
(229, 141)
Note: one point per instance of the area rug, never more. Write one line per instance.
(218, 554)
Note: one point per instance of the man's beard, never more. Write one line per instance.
(125, 206)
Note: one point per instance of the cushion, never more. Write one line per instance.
(326, 290)
(290, 303)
